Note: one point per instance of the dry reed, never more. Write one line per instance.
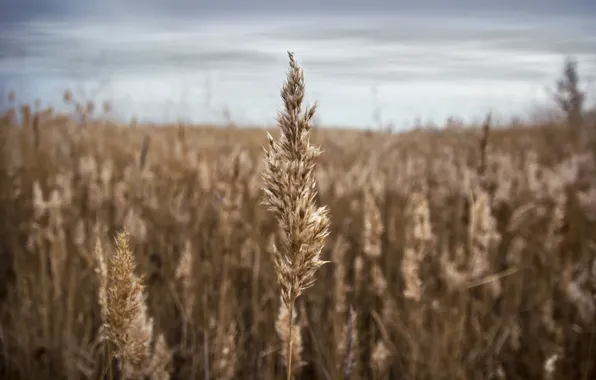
(290, 191)
(453, 257)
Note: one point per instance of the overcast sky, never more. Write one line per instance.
(427, 57)
(20, 10)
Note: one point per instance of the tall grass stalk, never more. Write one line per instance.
(290, 191)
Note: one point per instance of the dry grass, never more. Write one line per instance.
(455, 254)
(290, 192)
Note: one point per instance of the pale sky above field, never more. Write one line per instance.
(189, 59)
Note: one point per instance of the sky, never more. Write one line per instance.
(191, 58)
(12, 10)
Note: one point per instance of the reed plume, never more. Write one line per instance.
(128, 327)
(290, 191)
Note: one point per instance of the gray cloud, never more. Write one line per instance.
(15, 10)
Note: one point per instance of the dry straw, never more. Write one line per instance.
(290, 191)
(128, 328)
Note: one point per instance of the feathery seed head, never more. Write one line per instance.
(102, 274)
(128, 327)
(290, 191)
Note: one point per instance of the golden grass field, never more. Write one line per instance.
(139, 252)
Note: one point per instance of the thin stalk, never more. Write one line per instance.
(291, 337)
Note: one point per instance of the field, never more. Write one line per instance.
(463, 253)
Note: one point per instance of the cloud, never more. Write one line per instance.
(16, 10)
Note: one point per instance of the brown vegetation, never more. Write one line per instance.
(145, 252)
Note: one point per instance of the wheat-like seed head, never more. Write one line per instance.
(158, 368)
(373, 227)
(380, 358)
(340, 286)
(290, 190)
(184, 276)
(102, 274)
(290, 193)
(128, 327)
(419, 237)
(483, 233)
